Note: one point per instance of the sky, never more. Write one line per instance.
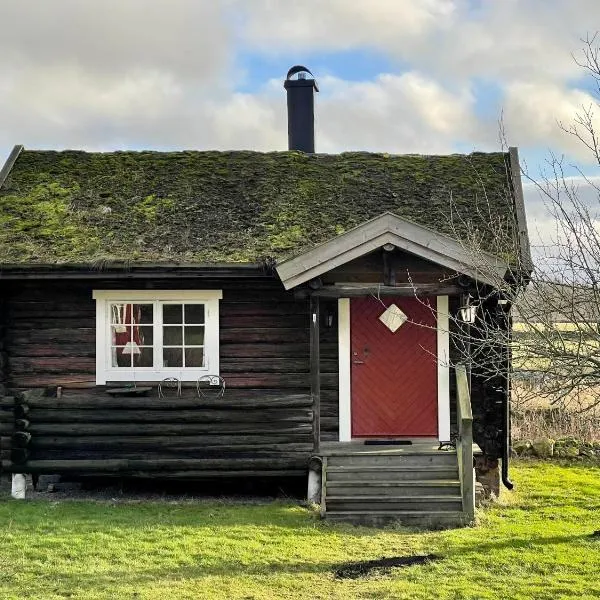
(396, 76)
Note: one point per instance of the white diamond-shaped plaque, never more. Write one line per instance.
(393, 318)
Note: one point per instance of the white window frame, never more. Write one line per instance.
(105, 372)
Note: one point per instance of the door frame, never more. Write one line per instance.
(443, 369)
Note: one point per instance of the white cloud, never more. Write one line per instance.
(533, 111)
(147, 73)
(405, 113)
(339, 24)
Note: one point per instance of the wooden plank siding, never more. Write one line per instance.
(262, 426)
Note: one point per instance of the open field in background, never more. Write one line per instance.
(593, 328)
(535, 544)
(537, 414)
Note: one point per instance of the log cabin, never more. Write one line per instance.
(201, 315)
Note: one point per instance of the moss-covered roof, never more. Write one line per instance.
(79, 207)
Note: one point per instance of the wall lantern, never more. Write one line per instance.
(328, 317)
(468, 311)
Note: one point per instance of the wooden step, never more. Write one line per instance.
(391, 473)
(409, 460)
(422, 519)
(394, 504)
(353, 488)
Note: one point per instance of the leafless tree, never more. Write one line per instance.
(555, 338)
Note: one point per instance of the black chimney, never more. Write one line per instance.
(301, 109)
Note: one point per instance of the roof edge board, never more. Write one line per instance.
(521, 217)
(10, 162)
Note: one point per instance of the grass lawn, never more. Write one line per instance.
(535, 544)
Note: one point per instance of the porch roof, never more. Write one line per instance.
(389, 228)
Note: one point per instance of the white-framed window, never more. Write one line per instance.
(148, 335)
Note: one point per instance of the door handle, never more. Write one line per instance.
(358, 362)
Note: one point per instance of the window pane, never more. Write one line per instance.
(145, 335)
(172, 357)
(172, 336)
(125, 314)
(119, 358)
(120, 334)
(120, 313)
(172, 313)
(194, 357)
(144, 313)
(145, 358)
(194, 314)
(194, 336)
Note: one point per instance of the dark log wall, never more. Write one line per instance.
(51, 333)
(3, 355)
(264, 348)
(489, 380)
(329, 371)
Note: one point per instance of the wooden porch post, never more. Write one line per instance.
(315, 370)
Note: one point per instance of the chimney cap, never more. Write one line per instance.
(302, 80)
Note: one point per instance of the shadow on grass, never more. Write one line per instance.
(232, 569)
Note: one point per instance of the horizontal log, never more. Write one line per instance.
(240, 451)
(265, 365)
(41, 310)
(7, 403)
(32, 349)
(232, 400)
(53, 364)
(211, 474)
(7, 416)
(273, 350)
(21, 424)
(166, 442)
(82, 334)
(129, 429)
(67, 380)
(296, 320)
(275, 365)
(234, 380)
(199, 415)
(177, 464)
(5, 442)
(329, 423)
(49, 321)
(276, 380)
(242, 335)
(265, 308)
(4, 455)
(6, 428)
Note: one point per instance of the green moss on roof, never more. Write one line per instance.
(79, 207)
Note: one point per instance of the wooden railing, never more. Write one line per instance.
(464, 443)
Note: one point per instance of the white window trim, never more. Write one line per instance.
(105, 372)
(345, 375)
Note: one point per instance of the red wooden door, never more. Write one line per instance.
(394, 374)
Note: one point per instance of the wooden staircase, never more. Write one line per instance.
(378, 485)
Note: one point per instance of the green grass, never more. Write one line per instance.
(534, 544)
